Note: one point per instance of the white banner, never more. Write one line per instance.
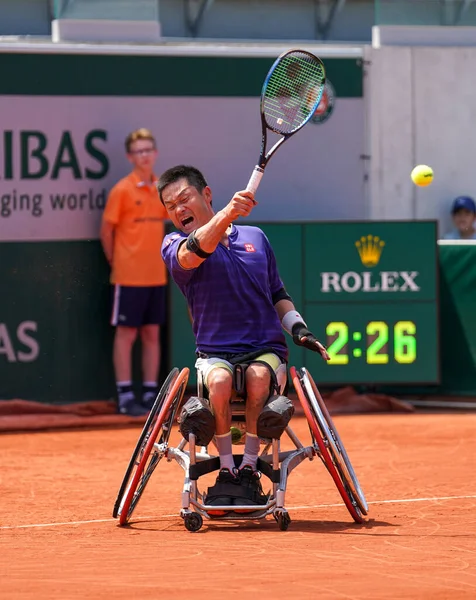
(60, 156)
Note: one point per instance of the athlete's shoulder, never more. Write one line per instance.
(250, 230)
(247, 228)
(172, 237)
(251, 234)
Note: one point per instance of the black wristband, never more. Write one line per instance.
(300, 330)
(193, 245)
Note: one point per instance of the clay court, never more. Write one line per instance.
(59, 541)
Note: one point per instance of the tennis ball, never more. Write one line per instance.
(236, 435)
(422, 175)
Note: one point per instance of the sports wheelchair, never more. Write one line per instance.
(196, 461)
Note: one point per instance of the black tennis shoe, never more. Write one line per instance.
(224, 490)
(227, 476)
(250, 478)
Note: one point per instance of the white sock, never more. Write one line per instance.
(250, 457)
(225, 451)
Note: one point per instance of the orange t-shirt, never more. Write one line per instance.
(134, 207)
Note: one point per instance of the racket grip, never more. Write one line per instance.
(255, 179)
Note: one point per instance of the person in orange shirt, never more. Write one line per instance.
(132, 232)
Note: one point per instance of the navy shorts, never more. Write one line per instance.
(134, 306)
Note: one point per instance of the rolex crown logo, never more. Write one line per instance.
(370, 249)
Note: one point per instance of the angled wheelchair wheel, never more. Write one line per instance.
(144, 436)
(331, 448)
(152, 444)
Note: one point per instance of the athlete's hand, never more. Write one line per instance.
(240, 205)
(303, 337)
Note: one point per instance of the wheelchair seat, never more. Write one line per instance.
(279, 385)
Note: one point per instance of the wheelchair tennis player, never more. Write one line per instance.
(239, 309)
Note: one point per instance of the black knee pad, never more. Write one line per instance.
(274, 417)
(196, 417)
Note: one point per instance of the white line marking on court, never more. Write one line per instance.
(400, 501)
(83, 522)
(156, 517)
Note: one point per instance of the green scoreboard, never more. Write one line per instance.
(368, 290)
(370, 294)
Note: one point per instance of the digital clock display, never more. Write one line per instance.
(378, 343)
(378, 349)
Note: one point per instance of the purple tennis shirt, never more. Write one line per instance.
(230, 293)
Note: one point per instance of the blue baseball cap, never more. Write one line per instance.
(463, 202)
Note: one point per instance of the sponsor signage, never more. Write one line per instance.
(371, 296)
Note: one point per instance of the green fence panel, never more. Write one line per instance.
(56, 341)
(458, 319)
(55, 338)
(125, 75)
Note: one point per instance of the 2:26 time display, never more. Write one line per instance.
(379, 343)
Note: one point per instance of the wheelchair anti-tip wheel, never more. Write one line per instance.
(193, 521)
(282, 518)
(152, 444)
(331, 448)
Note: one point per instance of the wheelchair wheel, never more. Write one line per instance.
(330, 445)
(339, 449)
(144, 436)
(152, 444)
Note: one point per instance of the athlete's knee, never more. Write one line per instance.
(258, 381)
(219, 383)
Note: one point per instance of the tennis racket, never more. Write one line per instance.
(291, 93)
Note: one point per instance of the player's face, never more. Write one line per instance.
(186, 206)
(143, 154)
(464, 220)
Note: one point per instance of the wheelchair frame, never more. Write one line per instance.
(276, 465)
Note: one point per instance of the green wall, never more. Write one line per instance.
(458, 318)
(126, 75)
(62, 288)
(55, 337)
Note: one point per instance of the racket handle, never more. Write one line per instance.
(255, 179)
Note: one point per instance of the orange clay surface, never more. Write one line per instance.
(418, 471)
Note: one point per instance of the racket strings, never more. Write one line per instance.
(293, 92)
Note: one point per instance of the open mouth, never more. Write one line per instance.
(186, 221)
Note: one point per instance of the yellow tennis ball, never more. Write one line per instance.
(236, 435)
(422, 175)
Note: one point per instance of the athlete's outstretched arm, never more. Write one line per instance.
(294, 324)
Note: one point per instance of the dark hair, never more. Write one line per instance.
(193, 176)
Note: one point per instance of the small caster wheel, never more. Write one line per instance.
(193, 521)
(283, 520)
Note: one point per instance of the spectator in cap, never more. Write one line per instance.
(463, 212)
